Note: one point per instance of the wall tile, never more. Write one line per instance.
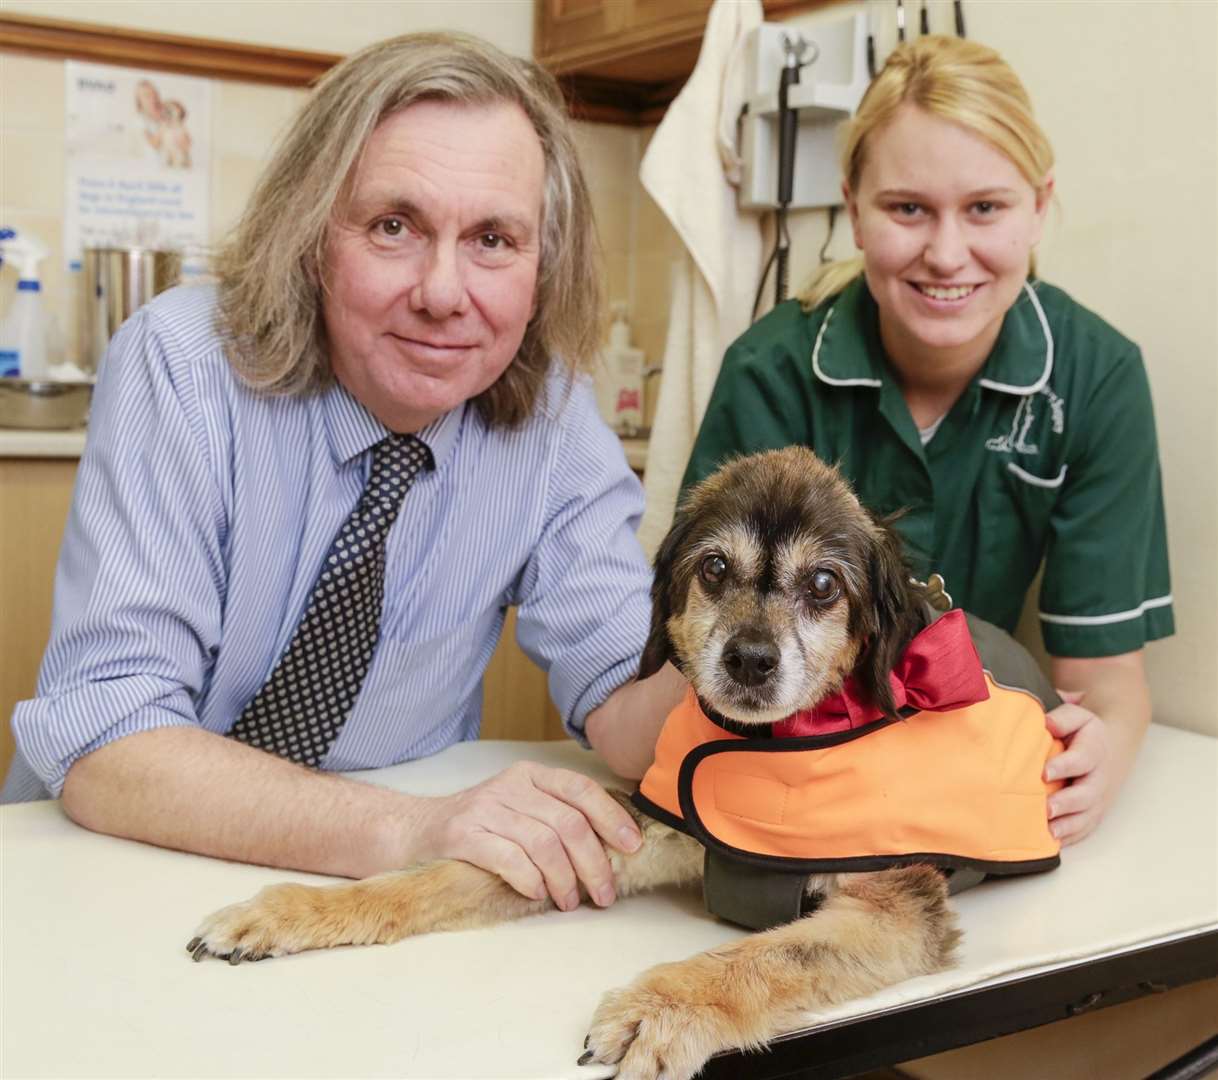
(247, 119)
(31, 94)
(31, 170)
(233, 179)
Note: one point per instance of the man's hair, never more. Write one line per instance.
(271, 269)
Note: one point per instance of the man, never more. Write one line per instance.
(311, 492)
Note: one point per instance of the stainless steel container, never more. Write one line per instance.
(44, 405)
(117, 282)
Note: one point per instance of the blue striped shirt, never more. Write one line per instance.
(201, 516)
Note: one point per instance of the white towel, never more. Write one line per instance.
(686, 171)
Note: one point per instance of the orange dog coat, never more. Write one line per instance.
(960, 789)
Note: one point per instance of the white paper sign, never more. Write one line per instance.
(138, 160)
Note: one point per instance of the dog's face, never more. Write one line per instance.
(773, 585)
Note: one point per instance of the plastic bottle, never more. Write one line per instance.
(620, 380)
(23, 333)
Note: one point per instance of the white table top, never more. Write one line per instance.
(97, 982)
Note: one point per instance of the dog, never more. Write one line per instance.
(775, 591)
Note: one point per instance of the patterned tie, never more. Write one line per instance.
(301, 708)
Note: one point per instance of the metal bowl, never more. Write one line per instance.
(44, 405)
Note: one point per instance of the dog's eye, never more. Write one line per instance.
(823, 587)
(713, 569)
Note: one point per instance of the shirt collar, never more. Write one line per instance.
(847, 350)
(351, 429)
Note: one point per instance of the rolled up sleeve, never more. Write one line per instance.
(584, 604)
(139, 585)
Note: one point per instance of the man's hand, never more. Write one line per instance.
(1100, 745)
(537, 828)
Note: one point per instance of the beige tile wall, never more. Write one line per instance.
(32, 166)
(637, 242)
(246, 118)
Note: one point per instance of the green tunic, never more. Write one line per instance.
(1049, 455)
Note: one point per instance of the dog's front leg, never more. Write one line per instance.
(441, 895)
(289, 918)
(877, 930)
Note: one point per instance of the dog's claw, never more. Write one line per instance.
(193, 944)
(584, 1058)
(199, 952)
(587, 1039)
(234, 957)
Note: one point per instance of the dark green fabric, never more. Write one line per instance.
(987, 499)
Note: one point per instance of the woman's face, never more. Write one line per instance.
(946, 224)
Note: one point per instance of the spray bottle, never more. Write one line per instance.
(23, 335)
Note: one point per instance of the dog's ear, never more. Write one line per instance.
(664, 598)
(891, 618)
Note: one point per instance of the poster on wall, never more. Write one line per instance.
(138, 161)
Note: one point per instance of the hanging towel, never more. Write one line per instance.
(689, 170)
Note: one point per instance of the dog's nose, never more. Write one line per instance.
(750, 659)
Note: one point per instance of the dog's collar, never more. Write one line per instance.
(735, 727)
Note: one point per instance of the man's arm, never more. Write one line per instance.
(190, 789)
(624, 729)
(1102, 724)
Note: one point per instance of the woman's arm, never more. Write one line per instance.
(1102, 724)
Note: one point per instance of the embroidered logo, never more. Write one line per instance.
(1016, 440)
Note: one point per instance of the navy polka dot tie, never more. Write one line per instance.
(300, 710)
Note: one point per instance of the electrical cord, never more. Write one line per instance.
(765, 273)
(782, 249)
(824, 248)
(780, 232)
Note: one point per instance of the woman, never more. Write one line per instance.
(1007, 423)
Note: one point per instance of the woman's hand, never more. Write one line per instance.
(1085, 766)
(1106, 710)
(539, 828)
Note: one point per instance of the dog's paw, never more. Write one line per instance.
(280, 920)
(658, 1027)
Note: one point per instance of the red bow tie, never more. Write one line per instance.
(939, 670)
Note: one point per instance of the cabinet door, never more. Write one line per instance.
(34, 498)
(567, 24)
(648, 13)
(516, 695)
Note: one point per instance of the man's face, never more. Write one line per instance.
(946, 224)
(431, 265)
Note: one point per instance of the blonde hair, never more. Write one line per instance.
(271, 269)
(953, 79)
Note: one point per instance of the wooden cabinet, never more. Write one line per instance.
(34, 497)
(623, 61)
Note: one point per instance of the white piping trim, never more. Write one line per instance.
(816, 359)
(1100, 620)
(1044, 376)
(1038, 481)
